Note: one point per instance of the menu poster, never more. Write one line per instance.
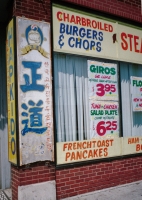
(103, 84)
(104, 118)
(136, 91)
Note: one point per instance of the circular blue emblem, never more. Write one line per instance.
(34, 35)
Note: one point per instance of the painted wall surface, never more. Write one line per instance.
(44, 191)
(84, 34)
(10, 62)
(34, 91)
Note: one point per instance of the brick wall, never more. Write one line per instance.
(81, 179)
(36, 173)
(33, 9)
(130, 9)
(40, 9)
(88, 178)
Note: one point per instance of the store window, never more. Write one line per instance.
(86, 98)
(97, 86)
(72, 87)
(96, 100)
(131, 97)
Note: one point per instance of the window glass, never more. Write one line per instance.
(131, 97)
(71, 98)
(79, 114)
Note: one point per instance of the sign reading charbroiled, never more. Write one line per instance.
(85, 34)
(75, 32)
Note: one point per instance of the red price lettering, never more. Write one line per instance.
(101, 89)
(103, 126)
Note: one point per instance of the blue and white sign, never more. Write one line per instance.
(34, 91)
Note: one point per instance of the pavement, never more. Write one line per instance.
(131, 191)
(6, 194)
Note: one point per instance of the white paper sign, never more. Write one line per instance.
(136, 91)
(102, 79)
(104, 118)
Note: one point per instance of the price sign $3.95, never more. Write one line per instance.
(103, 126)
(103, 88)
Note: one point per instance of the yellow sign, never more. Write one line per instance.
(11, 93)
(69, 152)
(132, 145)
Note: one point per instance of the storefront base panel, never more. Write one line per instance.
(45, 190)
(30, 175)
(91, 177)
(71, 181)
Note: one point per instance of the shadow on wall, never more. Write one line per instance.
(3, 99)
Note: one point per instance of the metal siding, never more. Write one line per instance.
(0, 164)
(4, 164)
(3, 116)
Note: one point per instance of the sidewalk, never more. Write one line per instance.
(5, 194)
(131, 191)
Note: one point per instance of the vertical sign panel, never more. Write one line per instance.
(11, 93)
(34, 91)
(103, 99)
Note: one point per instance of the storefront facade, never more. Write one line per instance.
(96, 104)
(74, 84)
